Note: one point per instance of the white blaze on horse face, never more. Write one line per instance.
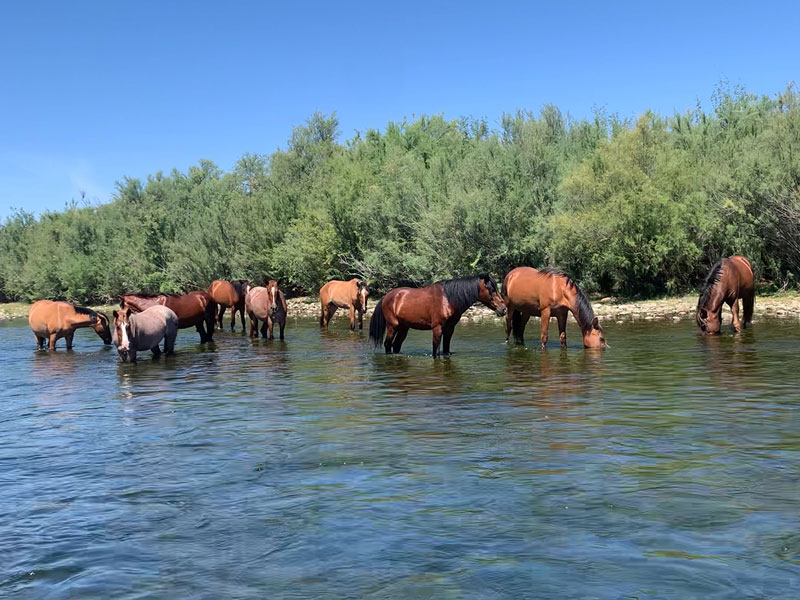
(273, 296)
(364, 294)
(124, 342)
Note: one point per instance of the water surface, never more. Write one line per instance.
(667, 466)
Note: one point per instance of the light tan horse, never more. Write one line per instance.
(548, 293)
(55, 320)
(229, 294)
(269, 305)
(351, 295)
(730, 279)
(134, 332)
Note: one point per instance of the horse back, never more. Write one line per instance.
(527, 288)
(742, 274)
(257, 302)
(151, 325)
(341, 293)
(47, 316)
(223, 292)
(417, 308)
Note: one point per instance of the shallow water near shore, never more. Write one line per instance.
(667, 466)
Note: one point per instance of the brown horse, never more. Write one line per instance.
(134, 332)
(193, 309)
(729, 279)
(437, 307)
(548, 293)
(269, 305)
(343, 294)
(51, 321)
(229, 294)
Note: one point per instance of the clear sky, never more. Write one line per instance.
(93, 91)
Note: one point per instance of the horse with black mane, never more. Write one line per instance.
(196, 309)
(230, 294)
(730, 279)
(437, 307)
(548, 293)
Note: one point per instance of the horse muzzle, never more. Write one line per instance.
(501, 312)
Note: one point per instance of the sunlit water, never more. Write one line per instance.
(667, 466)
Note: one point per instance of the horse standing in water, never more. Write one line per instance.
(134, 332)
(729, 279)
(193, 309)
(269, 305)
(548, 293)
(51, 321)
(230, 294)
(437, 307)
(343, 294)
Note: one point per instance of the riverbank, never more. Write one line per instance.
(784, 305)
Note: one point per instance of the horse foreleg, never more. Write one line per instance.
(253, 325)
(561, 318)
(399, 338)
(201, 331)
(221, 313)
(352, 318)
(737, 324)
(387, 341)
(545, 326)
(360, 319)
(437, 338)
(282, 325)
(508, 322)
(747, 305)
(39, 341)
(156, 351)
(68, 339)
(447, 334)
(52, 344)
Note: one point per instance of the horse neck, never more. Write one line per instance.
(82, 319)
(716, 296)
(574, 296)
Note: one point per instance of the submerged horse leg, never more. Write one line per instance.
(222, 308)
(39, 340)
(52, 344)
(387, 341)
(747, 305)
(561, 318)
(545, 326)
(447, 334)
(352, 318)
(253, 325)
(360, 319)
(282, 325)
(332, 308)
(437, 338)
(399, 338)
(737, 324)
(156, 351)
(68, 339)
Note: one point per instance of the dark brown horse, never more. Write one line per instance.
(269, 305)
(229, 294)
(196, 309)
(437, 307)
(51, 321)
(351, 295)
(729, 279)
(548, 293)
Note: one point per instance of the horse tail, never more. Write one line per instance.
(516, 326)
(377, 324)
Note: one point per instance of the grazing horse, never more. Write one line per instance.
(269, 305)
(343, 294)
(193, 309)
(51, 321)
(144, 331)
(229, 294)
(437, 307)
(548, 293)
(729, 279)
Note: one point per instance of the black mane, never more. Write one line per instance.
(585, 314)
(463, 292)
(238, 285)
(712, 279)
(82, 310)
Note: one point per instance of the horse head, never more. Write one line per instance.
(362, 293)
(122, 332)
(489, 295)
(273, 295)
(102, 328)
(709, 323)
(593, 337)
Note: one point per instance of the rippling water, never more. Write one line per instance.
(667, 466)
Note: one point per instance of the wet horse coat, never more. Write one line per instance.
(134, 332)
(351, 295)
(196, 309)
(728, 281)
(548, 293)
(229, 294)
(51, 321)
(268, 305)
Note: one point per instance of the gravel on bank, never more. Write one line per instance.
(783, 305)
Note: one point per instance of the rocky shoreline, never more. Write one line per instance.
(785, 305)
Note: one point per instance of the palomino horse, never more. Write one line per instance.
(269, 305)
(144, 331)
(729, 279)
(548, 293)
(343, 294)
(53, 320)
(229, 294)
(437, 307)
(195, 308)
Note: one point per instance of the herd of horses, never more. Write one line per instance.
(146, 320)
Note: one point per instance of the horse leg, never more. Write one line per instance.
(360, 319)
(156, 351)
(399, 338)
(561, 318)
(387, 341)
(545, 325)
(68, 339)
(437, 338)
(508, 322)
(747, 305)
(352, 318)
(221, 313)
(52, 344)
(282, 325)
(201, 331)
(270, 325)
(323, 311)
(332, 308)
(447, 333)
(253, 325)
(39, 341)
(737, 324)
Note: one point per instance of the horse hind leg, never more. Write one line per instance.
(387, 341)
(221, 314)
(737, 324)
(561, 318)
(747, 304)
(399, 338)
(68, 339)
(156, 350)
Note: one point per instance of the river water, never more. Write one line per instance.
(665, 467)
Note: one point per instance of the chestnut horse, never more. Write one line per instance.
(548, 293)
(134, 332)
(269, 305)
(51, 321)
(229, 294)
(343, 294)
(193, 309)
(729, 279)
(437, 307)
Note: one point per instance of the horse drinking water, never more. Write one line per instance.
(729, 279)
(229, 294)
(51, 321)
(269, 305)
(437, 307)
(548, 293)
(144, 331)
(351, 295)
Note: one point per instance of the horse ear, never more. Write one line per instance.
(116, 314)
(127, 312)
(595, 323)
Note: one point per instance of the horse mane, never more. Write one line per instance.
(82, 310)
(463, 292)
(585, 314)
(712, 279)
(238, 285)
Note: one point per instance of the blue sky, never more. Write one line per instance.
(94, 91)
